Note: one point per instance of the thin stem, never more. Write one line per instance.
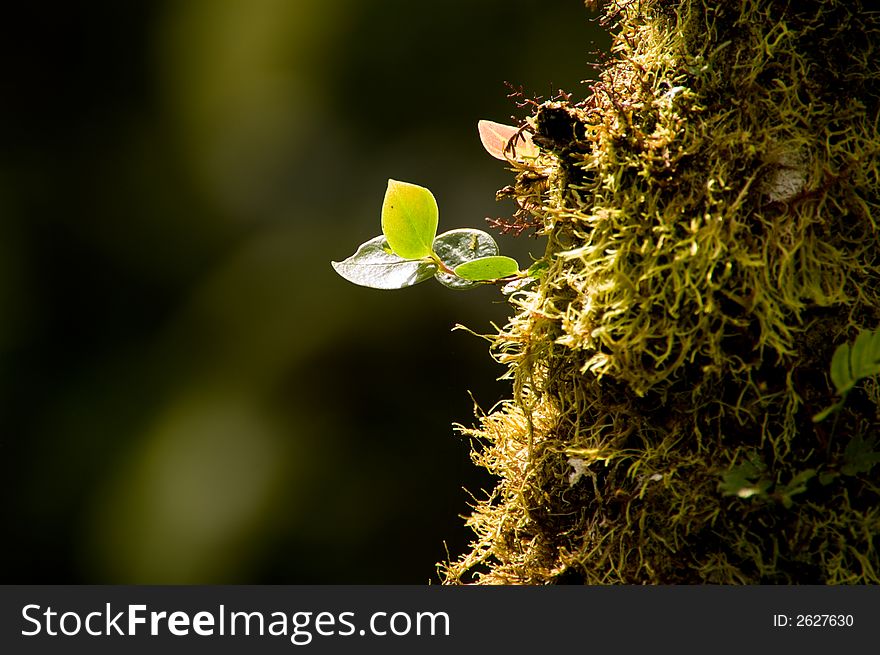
(443, 267)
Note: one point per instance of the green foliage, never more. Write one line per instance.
(850, 364)
(487, 268)
(751, 480)
(745, 480)
(409, 250)
(797, 485)
(459, 246)
(409, 219)
(860, 455)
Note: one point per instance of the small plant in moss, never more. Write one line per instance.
(850, 365)
(751, 480)
(410, 251)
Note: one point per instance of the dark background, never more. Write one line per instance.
(188, 392)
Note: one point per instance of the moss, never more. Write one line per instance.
(711, 212)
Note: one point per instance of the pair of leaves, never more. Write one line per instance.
(850, 364)
(409, 251)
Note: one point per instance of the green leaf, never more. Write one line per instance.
(409, 219)
(505, 141)
(865, 355)
(487, 268)
(851, 364)
(841, 376)
(374, 265)
(459, 246)
(745, 480)
(860, 455)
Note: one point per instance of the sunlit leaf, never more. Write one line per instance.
(487, 268)
(505, 141)
(459, 246)
(375, 265)
(409, 219)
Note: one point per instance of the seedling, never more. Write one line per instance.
(409, 250)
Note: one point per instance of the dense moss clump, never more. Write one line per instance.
(712, 216)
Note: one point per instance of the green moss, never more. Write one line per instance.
(711, 213)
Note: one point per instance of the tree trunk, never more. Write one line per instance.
(712, 213)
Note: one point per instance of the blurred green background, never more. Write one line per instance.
(189, 392)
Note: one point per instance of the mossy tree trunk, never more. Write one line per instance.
(712, 213)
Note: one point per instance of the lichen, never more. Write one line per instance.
(711, 216)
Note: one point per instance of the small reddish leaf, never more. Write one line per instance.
(505, 142)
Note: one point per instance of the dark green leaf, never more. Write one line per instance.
(860, 455)
(375, 265)
(745, 480)
(840, 373)
(459, 246)
(865, 355)
(851, 364)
